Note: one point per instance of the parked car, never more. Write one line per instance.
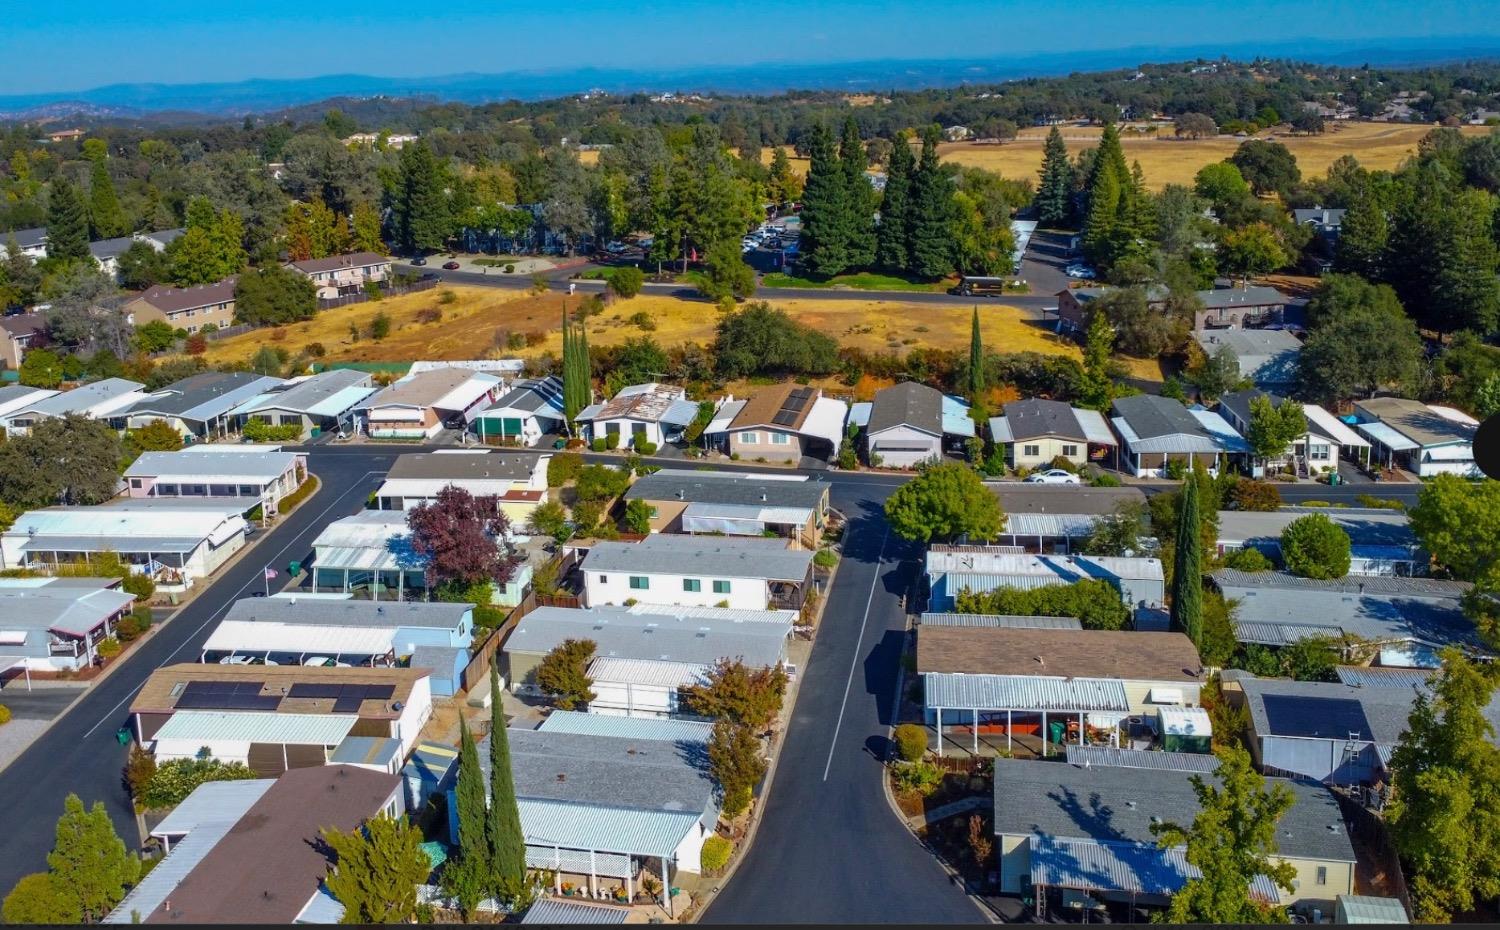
(450, 266)
(324, 662)
(615, 248)
(1053, 476)
(1079, 271)
(246, 660)
(419, 261)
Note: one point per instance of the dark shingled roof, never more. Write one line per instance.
(1152, 415)
(608, 771)
(727, 488)
(169, 299)
(1035, 417)
(907, 404)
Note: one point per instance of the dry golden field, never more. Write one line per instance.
(477, 322)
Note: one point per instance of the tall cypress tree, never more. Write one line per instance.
(1187, 565)
(506, 843)
(825, 209)
(67, 222)
(932, 214)
(860, 197)
(1054, 199)
(473, 846)
(976, 362)
(105, 213)
(570, 370)
(892, 249)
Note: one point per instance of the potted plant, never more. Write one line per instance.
(567, 889)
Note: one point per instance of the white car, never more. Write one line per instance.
(1053, 476)
(1079, 271)
(245, 660)
(324, 662)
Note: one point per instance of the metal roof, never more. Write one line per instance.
(557, 911)
(1138, 868)
(1361, 676)
(240, 636)
(645, 403)
(157, 886)
(1112, 757)
(1386, 436)
(647, 672)
(1419, 423)
(326, 394)
(724, 415)
(204, 396)
(213, 802)
(96, 397)
(1024, 692)
(1265, 356)
(1072, 525)
(367, 750)
(171, 525)
(1331, 427)
(540, 397)
(608, 772)
(72, 609)
(368, 540)
(1223, 435)
(439, 388)
(1039, 798)
(201, 468)
(660, 553)
(706, 487)
(995, 620)
(970, 560)
(438, 615)
(669, 729)
(1370, 527)
(697, 638)
(1322, 710)
(603, 828)
(1367, 909)
(256, 727)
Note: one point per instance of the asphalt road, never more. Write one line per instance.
(829, 849)
(79, 754)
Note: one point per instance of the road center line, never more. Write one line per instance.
(213, 617)
(858, 648)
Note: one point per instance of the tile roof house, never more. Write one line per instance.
(1425, 439)
(199, 406)
(1326, 441)
(734, 503)
(56, 624)
(343, 275)
(1409, 619)
(321, 403)
(1036, 431)
(420, 405)
(1268, 358)
(268, 866)
(189, 308)
(531, 409)
(780, 423)
(654, 413)
(747, 573)
(1088, 829)
(1155, 431)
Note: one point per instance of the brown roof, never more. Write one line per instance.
(23, 324)
(174, 299)
(761, 409)
(1124, 654)
(335, 262)
(161, 691)
(1417, 421)
(267, 867)
(422, 389)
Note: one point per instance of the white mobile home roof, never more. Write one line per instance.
(247, 636)
(15, 397)
(1018, 692)
(367, 541)
(257, 727)
(1332, 427)
(664, 635)
(664, 729)
(973, 560)
(99, 398)
(66, 608)
(1387, 437)
(326, 394)
(212, 468)
(647, 672)
(725, 557)
(213, 802)
(171, 525)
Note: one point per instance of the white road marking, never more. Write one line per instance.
(858, 649)
(254, 582)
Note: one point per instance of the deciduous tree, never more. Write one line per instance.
(742, 695)
(73, 460)
(943, 503)
(39, 898)
(1458, 523)
(1269, 166)
(1273, 428)
(462, 539)
(563, 673)
(736, 763)
(1314, 546)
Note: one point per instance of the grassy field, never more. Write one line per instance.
(475, 325)
(866, 281)
(1166, 160)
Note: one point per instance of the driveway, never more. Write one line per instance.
(1042, 265)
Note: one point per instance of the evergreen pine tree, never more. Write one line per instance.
(1363, 237)
(571, 404)
(932, 214)
(89, 862)
(1106, 195)
(976, 362)
(825, 210)
(1187, 571)
(469, 878)
(891, 248)
(67, 222)
(1054, 199)
(105, 214)
(507, 844)
(421, 207)
(860, 197)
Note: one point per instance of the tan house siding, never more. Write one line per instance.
(763, 447)
(1039, 452)
(192, 319)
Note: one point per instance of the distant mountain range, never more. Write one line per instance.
(232, 99)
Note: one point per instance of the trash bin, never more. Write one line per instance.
(316, 432)
(123, 735)
(294, 568)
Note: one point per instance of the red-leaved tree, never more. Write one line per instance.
(463, 539)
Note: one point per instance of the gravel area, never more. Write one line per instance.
(16, 736)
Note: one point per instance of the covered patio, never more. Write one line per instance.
(1037, 710)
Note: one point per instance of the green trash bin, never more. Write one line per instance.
(316, 432)
(294, 568)
(123, 736)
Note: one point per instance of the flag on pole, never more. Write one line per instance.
(270, 573)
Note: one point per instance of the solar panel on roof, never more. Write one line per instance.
(314, 690)
(226, 695)
(379, 692)
(1316, 718)
(348, 704)
(785, 418)
(797, 400)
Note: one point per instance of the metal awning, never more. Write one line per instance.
(1134, 868)
(1385, 436)
(135, 544)
(1024, 693)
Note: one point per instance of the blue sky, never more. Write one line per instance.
(62, 46)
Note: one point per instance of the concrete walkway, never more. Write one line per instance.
(938, 814)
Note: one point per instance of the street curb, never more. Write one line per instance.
(109, 670)
(753, 830)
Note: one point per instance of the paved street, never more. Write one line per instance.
(79, 754)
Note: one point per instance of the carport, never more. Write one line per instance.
(982, 699)
(8, 663)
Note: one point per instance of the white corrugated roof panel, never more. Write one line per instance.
(665, 729)
(1386, 436)
(604, 829)
(208, 726)
(213, 802)
(826, 421)
(724, 416)
(650, 672)
(1332, 427)
(244, 636)
(1024, 692)
(1095, 429)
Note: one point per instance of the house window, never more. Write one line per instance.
(135, 483)
(1322, 874)
(1318, 453)
(1032, 451)
(692, 585)
(1070, 451)
(750, 438)
(780, 439)
(604, 579)
(639, 582)
(612, 428)
(721, 587)
(638, 429)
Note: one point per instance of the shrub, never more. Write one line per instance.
(4, 715)
(290, 502)
(563, 467)
(1248, 560)
(645, 447)
(1315, 547)
(1176, 468)
(261, 431)
(911, 742)
(380, 326)
(129, 628)
(1383, 503)
(599, 444)
(515, 340)
(626, 282)
(599, 483)
(1255, 495)
(539, 283)
(316, 349)
(1064, 463)
(642, 320)
(429, 315)
(447, 297)
(825, 558)
(920, 777)
(140, 585)
(174, 780)
(716, 850)
(109, 647)
(1104, 480)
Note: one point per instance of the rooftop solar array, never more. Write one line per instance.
(1317, 718)
(226, 695)
(792, 407)
(346, 698)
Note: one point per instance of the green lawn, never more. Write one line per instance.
(865, 281)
